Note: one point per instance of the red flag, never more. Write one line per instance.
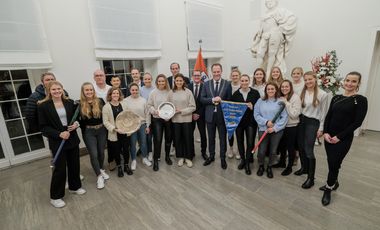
(200, 65)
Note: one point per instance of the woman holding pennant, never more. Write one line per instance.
(54, 114)
(265, 113)
(247, 123)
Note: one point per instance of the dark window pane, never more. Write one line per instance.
(119, 66)
(10, 110)
(36, 142)
(6, 91)
(4, 75)
(107, 66)
(22, 104)
(20, 145)
(22, 89)
(19, 74)
(138, 65)
(15, 128)
(1, 152)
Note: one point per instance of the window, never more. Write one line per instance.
(122, 68)
(192, 64)
(14, 92)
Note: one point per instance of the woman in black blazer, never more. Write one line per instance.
(247, 123)
(54, 114)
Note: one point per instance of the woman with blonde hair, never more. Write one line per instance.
(275, 76)
(54, 114)
(297, 81)
(259, 81)
(235, 85)
(93, 131)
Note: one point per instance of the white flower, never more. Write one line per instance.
(332, 80)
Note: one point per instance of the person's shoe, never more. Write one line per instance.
(223, 164)
(280, 164)
(57, 203)
(260, 171)
(81, 177)
(128, 170)
(100, 182)
(189, 163)
(150, 156)
(155, 165)
(133, 165)
(269, 172)
(208, 161)
(104, 174)
(237, 157)
(335, 187)
(146, 162)
(79, 191)
(300, 171)
(231, 153)
(198, 140)
(204, 156)
(241, 164)
(308, 183)
(326, 198)
(168, 160)
(180, 162)
(287, 171)
(112, 165)
(120, 171)
(247, 169)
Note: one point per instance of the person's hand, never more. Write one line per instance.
(327, 137)
(64, 135)
(270, 124)
(118, 131)
(195, 116)
(155, 112)
(72, 127)
(147, 130)
(319, 133)
(250, 106)
(334, 140)
(177, 111)
(270, 130)
(217, 99)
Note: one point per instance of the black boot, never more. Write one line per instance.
(269, 172)
(260, 171)
(335, 187)
(127, 170)
(247, 169)
(304, 167)
(281, 163)
(310, 177)
(155, 165)
(288, 170)
(167, 159)
(242, 164)
(120, 171)
(326, 197)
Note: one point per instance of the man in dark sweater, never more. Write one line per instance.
(175, 69)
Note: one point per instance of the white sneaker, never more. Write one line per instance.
(180, 162)
(79, 191)
(146, 162)
(198, 140)
(100, 182)
(172, 152)
(81, 177)
(133, 165)
(104, 174)
(58, 203)
(150, 156)
(231, 153)
(237, 157)
(189, 163)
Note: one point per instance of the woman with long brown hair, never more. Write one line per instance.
(259, 81)
(275, 76)
(54, 115)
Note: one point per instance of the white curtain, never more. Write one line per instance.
(125, 29)
(204, 22)
(22, 37)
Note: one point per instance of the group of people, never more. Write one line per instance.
(292, 113)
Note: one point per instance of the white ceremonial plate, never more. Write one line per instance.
(166, 110)
(128, 122)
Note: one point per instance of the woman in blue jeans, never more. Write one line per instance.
(264, 111)
(138, 105)
(93, 131)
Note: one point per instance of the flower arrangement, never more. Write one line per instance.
(326, 67)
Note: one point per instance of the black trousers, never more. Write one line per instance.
(231, 141)
(222, 131)
(335, 155)
(160, 126)
(201, 124)
(307, 133)
(183, 134)
(288, 144)
(69, 158)
(250, 136)
(121, 146)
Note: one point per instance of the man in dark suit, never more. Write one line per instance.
(175, 69)
(213, 92)
(199, 114)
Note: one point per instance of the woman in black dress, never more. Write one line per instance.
(346, 113)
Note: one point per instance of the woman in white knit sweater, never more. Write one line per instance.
(159, 125)
(138, 105)
(184, 102)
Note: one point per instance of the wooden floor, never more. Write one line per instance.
(199, 198)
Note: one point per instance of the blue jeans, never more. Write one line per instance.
(95, 140)
(139, 136)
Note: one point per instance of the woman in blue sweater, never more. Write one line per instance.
(264, 111)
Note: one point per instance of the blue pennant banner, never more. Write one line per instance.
(232, 112)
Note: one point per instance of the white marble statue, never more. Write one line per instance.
(272, 42)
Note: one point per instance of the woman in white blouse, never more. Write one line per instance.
(314, 109)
